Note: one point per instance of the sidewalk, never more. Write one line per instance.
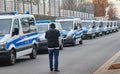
(112, 66)
(115, 67)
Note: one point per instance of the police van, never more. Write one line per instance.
(72, 30)
(99, 28)
(88, 27)
(116, 26)
(42, 27)
(105, 27)
(18, 36)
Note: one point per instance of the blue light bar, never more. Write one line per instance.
(59, 18)
(27, 12)
(43, 21)
(9, 13)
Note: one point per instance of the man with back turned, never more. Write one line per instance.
(52, 35)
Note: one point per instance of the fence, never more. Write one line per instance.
(41, 7)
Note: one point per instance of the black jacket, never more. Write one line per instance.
(52, 35)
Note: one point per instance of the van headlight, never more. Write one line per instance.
(69, 37)
(2, 45)
(89, 32)
(105, 29)
(64, 36)
(97, 30)
(42, 40)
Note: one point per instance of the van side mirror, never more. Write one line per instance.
(15, 31)
(93, 26)
(75, 28)
(24, 22)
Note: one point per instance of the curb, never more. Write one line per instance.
(107, 64)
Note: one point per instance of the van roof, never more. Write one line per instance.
(68, 19)
(43, 21)
(13, 16)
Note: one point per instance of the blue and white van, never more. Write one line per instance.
(88, 27)
(72, 31)
(111, 26)
(99, 28)
(116, 26)
(42, 27)
(18, 36)
(105, 27)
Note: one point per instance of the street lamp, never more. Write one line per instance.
(5, 5)
(50, 7)
(44, 6)
(59, 7)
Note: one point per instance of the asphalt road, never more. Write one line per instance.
(81, 59)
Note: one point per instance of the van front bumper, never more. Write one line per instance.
(42, 45)
(104, 32)
(68, 40)
(87, 35)
(4, 54)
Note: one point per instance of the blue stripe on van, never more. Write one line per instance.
(23, 43)
(65, 32)
(1, 36)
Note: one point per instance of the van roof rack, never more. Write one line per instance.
(43, 21)
(9, 13)
(59, 18)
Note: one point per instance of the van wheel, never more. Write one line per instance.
(33, 55)
(105, 33)
(116, 30)
(91, 37)
(61, 47)
(94, 37)
(12, 57)
(80, 42)
(74, 42)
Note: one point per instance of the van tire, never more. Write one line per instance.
(74, 42)
(91, 37)
(11, 57)
(33, 55)
(80, 42)
(61, 47)
(94, 37)
(105, 33)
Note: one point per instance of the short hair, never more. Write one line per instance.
(52, 25)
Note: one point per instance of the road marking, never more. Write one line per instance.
(107, 64)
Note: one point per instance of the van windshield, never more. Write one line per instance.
(97, 24)
(86, 24)
(42, 28)
(104, 24)
(66, 25)
(5, 25)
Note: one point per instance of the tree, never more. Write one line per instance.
(111, 11)
(99, 7)
(69, 4)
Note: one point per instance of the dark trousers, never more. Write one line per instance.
(53, 54)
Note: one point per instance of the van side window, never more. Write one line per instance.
(28, 25)
(25, 25)
(15, 27)
(32, 25)
(101, 24)
(75, 26)
(79, 25)
(58, 26)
